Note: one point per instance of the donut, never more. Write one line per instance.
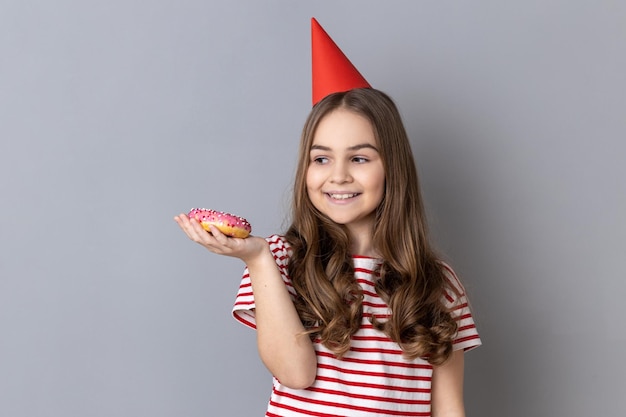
(229, 224)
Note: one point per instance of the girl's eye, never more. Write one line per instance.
(320, 160)
(359, 159)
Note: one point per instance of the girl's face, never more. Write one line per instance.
(345, 179)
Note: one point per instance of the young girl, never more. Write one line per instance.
(355, 314)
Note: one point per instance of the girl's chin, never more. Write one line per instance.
(352, 223)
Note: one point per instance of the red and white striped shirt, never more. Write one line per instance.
(373, 378)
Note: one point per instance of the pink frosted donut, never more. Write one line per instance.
(228, 224)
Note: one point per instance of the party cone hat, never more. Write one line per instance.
(332, 71)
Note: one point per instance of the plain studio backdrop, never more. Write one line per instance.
(117, 115)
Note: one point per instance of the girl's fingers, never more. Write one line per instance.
(214, 240)
(192, 229)
(220, 237)
(199, 234)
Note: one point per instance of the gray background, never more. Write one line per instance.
(117, 115)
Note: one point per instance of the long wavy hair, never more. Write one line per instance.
(412, 281)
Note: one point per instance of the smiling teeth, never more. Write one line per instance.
(342, 196)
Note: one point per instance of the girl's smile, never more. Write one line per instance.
(345, 178)
(341, 198)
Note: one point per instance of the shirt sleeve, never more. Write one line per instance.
(467, 337)
(243, 309)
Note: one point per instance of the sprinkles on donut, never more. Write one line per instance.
(229, 224)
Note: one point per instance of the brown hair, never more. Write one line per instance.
(412, 281)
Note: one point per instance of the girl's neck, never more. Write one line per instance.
(361, 243)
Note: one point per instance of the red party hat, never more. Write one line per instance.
(332, 71)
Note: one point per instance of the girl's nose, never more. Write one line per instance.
(340, 173)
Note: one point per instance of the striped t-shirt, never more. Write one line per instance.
(373, 378)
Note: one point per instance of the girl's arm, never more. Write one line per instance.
(284, 348)
(447, 387)
(286, 352)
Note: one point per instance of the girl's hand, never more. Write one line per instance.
(247, 249)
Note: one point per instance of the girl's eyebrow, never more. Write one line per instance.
(351, 148)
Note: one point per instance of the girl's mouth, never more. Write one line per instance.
(341, 196)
